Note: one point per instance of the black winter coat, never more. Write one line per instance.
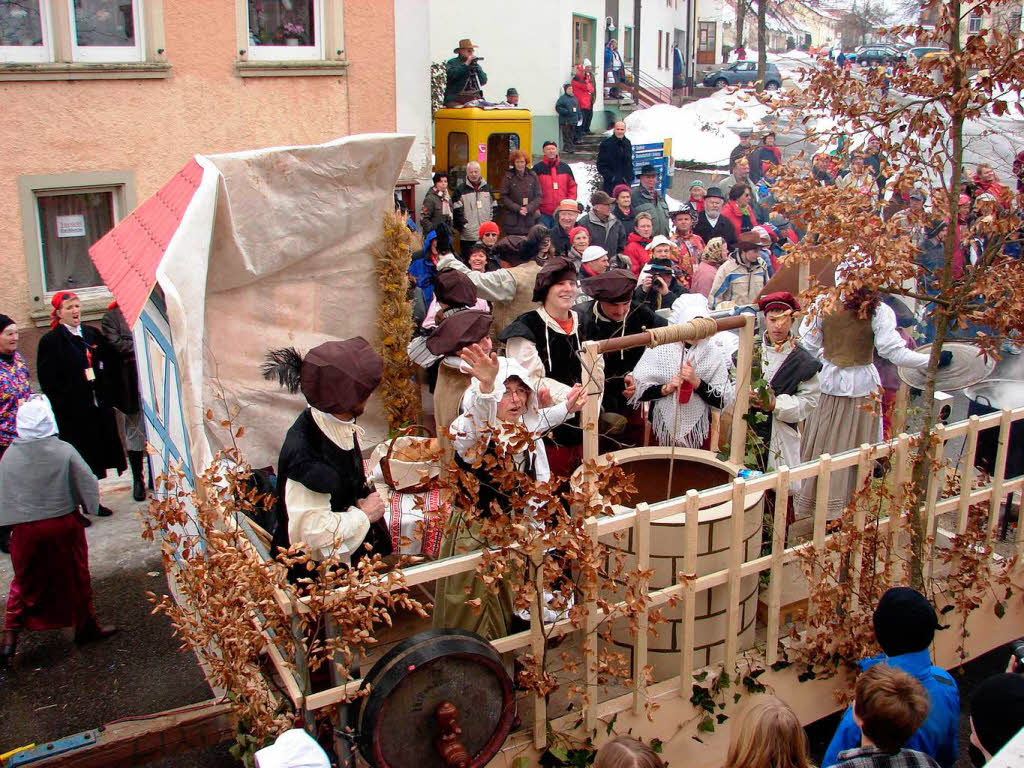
(82, 407)
(124, 378)
(615, 162)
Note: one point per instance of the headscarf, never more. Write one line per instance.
(35, 419)
(714, 251)
(4, 322)
(57, 301)
(684, 424)
(293, 749)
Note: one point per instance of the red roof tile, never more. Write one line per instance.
(128, 255)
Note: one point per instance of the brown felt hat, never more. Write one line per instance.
(748, 241)
(464, 43)
(613, 285)
(454, 289)
(338, 376)
(555, 271)
(600, 197)
(459, 330)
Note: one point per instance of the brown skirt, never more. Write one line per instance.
(838, 424)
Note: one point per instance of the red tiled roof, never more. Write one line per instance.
(127, 256)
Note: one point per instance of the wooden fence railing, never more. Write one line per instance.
(687, 590)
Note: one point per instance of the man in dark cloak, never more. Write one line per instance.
(612, 312)
(324, 500)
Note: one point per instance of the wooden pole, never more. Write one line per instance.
(738, 446)
(592, 409)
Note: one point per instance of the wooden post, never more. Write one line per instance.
(590, 646)
(998, 474)
(803, 276)
(967, 474)
(339, 717)
(643, 562)
(732, 631)
(892, 536)
(775, 575)
(738, 446)
(820, 515)
(592, 410)
(899, 409)
(692, 508)
(540, 709)
(863, 473)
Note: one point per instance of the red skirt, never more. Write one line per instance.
(51, 587)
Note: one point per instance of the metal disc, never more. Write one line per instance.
(395, 722)
(969, 367)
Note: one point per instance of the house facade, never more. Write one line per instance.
(534, 45)
(106, 99)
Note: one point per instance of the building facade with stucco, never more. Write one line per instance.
(106, 99)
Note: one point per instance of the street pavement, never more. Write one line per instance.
(55, 689)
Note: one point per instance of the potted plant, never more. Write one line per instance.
(293, 33)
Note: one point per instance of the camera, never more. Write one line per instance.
(1017, 651)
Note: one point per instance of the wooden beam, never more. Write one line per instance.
(138, 740)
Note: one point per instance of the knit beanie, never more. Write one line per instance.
(997, 710)
(904, 621)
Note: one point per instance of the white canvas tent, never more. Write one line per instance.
(250, 251)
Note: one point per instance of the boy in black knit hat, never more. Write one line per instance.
(905, 624)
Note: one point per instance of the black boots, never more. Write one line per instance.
(135, 459)
(92, 631)
(10, 644)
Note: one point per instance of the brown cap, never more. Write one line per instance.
(613, 285)
(749, 241)
(454, 289)
(555, 271)
(338, 376)
(778, 300)
(510, 249)
(458, 330)
(600, 197)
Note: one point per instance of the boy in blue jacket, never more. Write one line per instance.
(905, 624)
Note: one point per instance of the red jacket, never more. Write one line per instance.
(583, 88)
(636, 250)
(731, 211)
(556, 184)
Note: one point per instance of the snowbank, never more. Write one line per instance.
(584, 185)
(704, 131)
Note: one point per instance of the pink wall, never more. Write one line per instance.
(154, 126)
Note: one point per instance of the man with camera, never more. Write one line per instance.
(465, 76)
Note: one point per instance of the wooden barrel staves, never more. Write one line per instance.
(439, 698)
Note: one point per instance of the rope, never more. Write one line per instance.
(695, 330)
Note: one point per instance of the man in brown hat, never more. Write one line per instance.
(324, 500)
(612, 312)
(742, 276)
(605, 230)
(566, 214)
(465, 76)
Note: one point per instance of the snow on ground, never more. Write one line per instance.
(703, 131)
(584, 183)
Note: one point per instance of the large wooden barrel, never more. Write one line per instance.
(698, 470)
(396, 723)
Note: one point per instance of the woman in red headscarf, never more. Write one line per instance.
(73, 367)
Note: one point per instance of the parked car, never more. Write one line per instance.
(914, 55)
(743, 73)
(879, 54)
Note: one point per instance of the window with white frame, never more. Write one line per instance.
(285, 30)
(78, 31)
(106, 30)
(63, 216)
(974, 22)
(25, 32)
